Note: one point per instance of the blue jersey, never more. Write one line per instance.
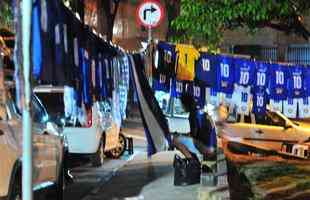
(199, 93)
(101, 81)
(296, 88)
(166, 58)
(244, 71)
(261, 76)
(307, 80)
(87, 98)
(36, 40)
(205, 69)
(176, 88)
(179, 87)
(161, 83)
(225, 74)
(260, 100)
(278, 82)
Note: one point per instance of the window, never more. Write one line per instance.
(244, 118)
(274, 119)
(270, 119)
(54, 105)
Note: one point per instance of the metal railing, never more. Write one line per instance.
(299, 54)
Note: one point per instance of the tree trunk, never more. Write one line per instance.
(110, 10)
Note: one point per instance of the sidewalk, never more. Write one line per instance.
(147, 179)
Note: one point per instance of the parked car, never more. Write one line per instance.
(94, 141)
(48, 149)
(264, 132)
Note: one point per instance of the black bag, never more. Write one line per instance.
(186, 171)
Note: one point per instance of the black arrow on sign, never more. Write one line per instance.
(152, 9)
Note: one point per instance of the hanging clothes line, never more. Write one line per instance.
(237, 81)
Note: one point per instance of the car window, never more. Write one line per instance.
(54, 105)
(244, 119)
(270, 119)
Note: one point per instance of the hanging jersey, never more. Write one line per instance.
(86, 69)
(199, 93)
(166, 58)
(304, 107)
(296, 88)
(307, 80)
(178, 87)
(290, 108)
(278, 84)
(161, 82)
(260, 101)
(187, 56)
(36, 40)
(244, 71)
(100, 77)
(205, 69)
(261, 76)
(225, 74)
(243, 99)
(276, 105)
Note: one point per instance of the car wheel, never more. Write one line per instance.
(119, 151)
(16, 193)
(98, 158)
(60, 185)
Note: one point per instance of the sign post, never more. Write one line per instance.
(27, 133)
(150, 14)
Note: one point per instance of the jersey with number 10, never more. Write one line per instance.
(278, 82)
(166, 58)
(260, 100)
(199, 93)
(244, 70)
(296, 88)
(205, 69)
(225, 74)
(261, 76)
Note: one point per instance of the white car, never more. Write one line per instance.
(264, 132)
(48, 150)
(93, 141)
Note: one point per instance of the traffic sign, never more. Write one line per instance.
(150, 13)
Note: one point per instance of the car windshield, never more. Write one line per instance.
(54, 105)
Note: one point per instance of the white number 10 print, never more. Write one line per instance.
(279, 77)
(225, 70)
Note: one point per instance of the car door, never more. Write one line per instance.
(46, 144)
(270, 132)
(241, 128)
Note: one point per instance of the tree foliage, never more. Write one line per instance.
(6, 14)
(204, 21)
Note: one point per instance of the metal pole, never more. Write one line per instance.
(27, 133)
(149, 35)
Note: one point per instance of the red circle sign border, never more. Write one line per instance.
(162, 11)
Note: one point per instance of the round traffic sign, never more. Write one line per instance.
(150, 13)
